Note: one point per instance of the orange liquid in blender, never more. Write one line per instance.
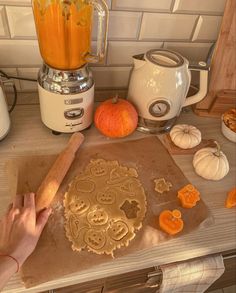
(64, 32)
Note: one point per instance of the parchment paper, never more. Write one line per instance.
(53, 257)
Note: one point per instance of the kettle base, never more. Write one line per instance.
(155, 127)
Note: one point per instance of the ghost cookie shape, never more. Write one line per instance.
(104, 207)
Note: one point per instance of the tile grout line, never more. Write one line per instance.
(140, 27)
(195, 27)
(156, 11)
(5, 17)
(173, 5)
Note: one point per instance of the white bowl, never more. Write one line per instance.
(228, 133)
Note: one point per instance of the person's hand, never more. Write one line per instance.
(21, 228)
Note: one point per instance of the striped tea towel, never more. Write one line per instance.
(194, 276)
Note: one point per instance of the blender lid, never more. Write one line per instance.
(165, 58)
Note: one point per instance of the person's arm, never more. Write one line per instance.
(20, 230)
(7, 268)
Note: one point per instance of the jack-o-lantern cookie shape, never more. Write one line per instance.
(79, 205)
(171, 222)
(97, 217)
(118, 230)
(106, 196)
(98, 167)
(109, 214)
(95, 240)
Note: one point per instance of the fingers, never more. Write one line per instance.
(29, 201)
(42, 219)
(23, 205)
(18, 201)
(14, 213)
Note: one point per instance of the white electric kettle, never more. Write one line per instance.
(158, 88)
(4, 114)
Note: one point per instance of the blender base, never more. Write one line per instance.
(155, 127)
(66, 98)
(54, 132)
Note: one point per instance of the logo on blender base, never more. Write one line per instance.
(73, 101)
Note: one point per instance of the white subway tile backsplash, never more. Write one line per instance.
(3, 23)
(199, 6)
(19, 52)
(28, 73)
(207, 28)
(163, 26)
(111, 77)
(120, 53)
(189, 27)
(192, 51)
(154, 5)
(123, 25)
(15, 2)
(21, 22)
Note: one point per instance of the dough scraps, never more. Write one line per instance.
(162, 185)
(104, 207)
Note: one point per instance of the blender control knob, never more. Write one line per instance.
(159, 108)
(74, 113)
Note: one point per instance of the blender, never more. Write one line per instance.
(65, 82)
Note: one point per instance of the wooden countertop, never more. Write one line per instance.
(28, 136)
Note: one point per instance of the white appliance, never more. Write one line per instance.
(158, 87)
(65, 83)
(4, 114)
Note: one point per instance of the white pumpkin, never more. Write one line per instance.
(185, 136)
(211, 163)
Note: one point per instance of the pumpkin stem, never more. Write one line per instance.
(217, 153)
(115, 99)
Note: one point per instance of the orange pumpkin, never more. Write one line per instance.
(231, 198)
(171, 222)
(116, 118)
(189, 196)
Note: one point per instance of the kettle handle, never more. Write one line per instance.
(203, 68)
(103, 14)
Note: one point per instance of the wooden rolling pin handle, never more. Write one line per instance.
(51, 183)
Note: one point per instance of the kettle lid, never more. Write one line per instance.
(165, 58)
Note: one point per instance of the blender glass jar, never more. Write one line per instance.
(64, 29)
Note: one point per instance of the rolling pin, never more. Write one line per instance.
(51, 183)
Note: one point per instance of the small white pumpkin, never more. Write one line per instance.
(185, 136)
(211, 163)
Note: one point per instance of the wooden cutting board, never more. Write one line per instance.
(221, 94)
(53, 257)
